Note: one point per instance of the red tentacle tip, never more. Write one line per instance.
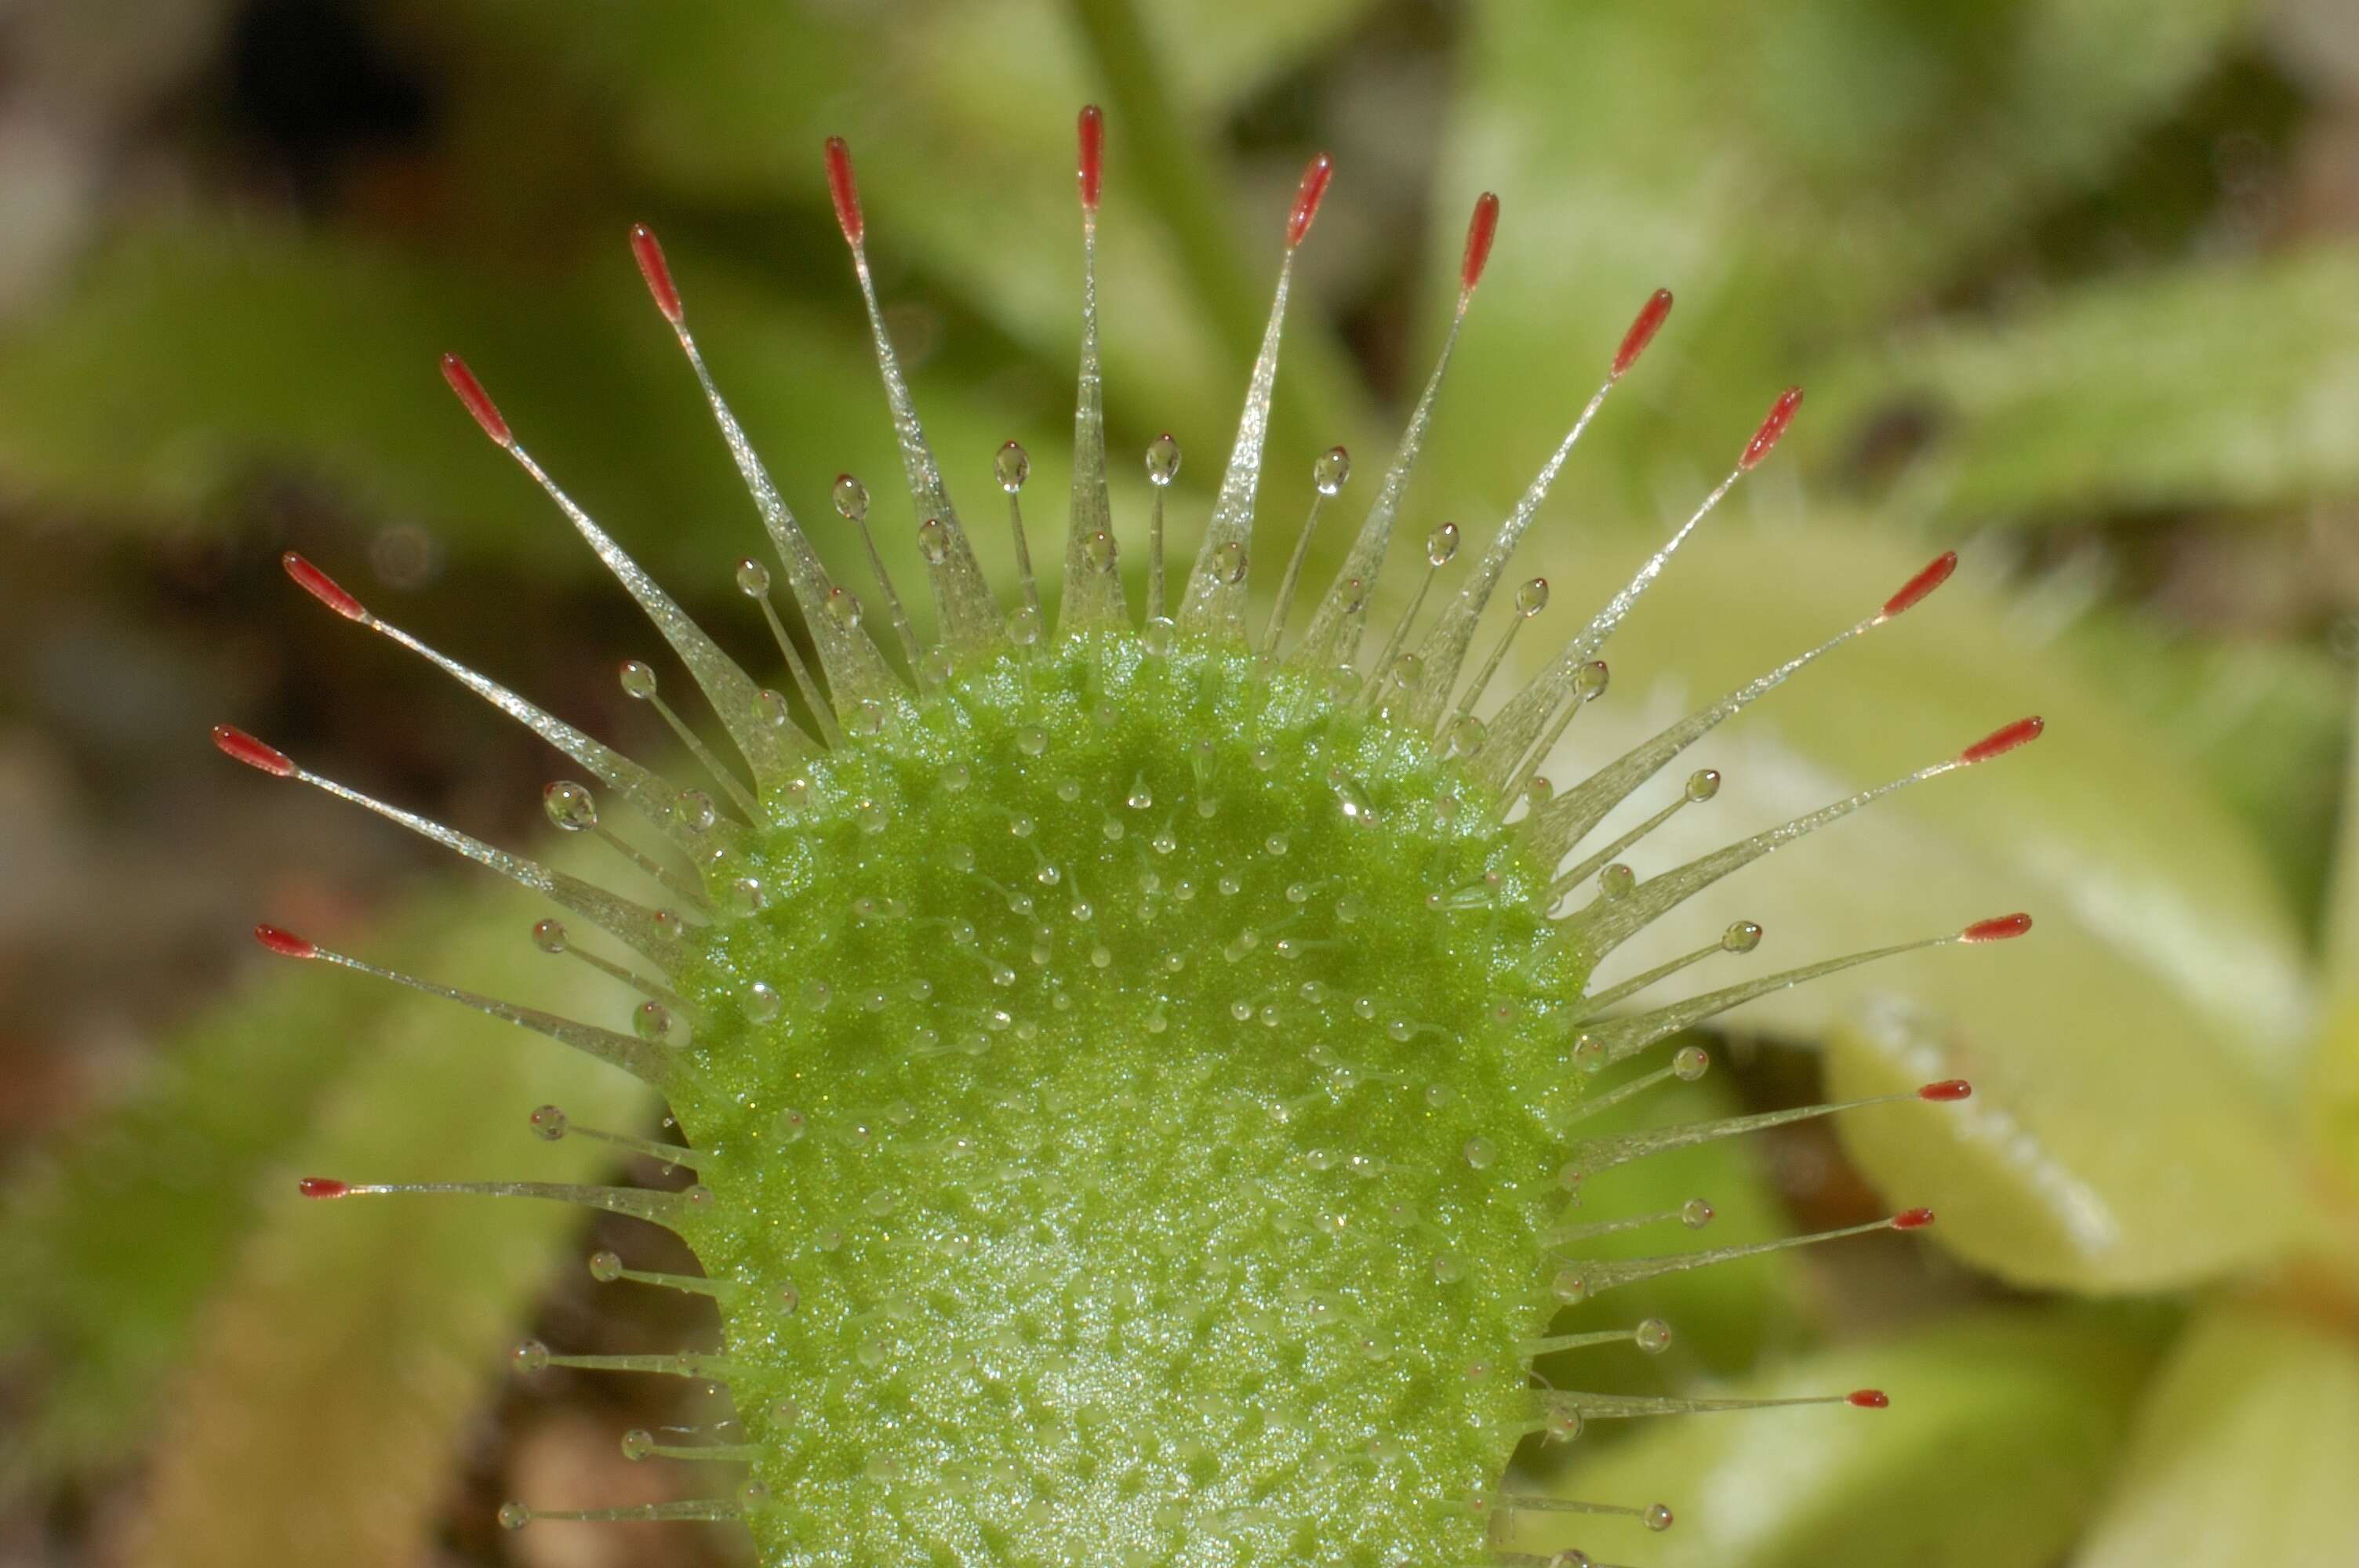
(2000, 741)
(1868, 1399)
(1781, 414)
(235, 742)
(1998, 928)
(1919, 587)
(1481, 229)
(477, 401)
(1946, 1090)
(656, 271)
(1643, 328)
(1912, 1219)
(322, 1187)
(1305, 200)
(1091, 129)
(846, 194)
(321, 587)
(285, 944)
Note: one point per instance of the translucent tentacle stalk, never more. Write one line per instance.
(855, 670)
(641, 927)
(1443, 652)
(1092, 592)
(1594, 1277)
(968, 619)
(1608, 923)
(649, 793)
(1521, 720)
(770, 749)
(1215, 593)
(1574, 815)
(1331, 637)
(643, 1060)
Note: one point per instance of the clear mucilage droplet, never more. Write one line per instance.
(933, 541)
(1332, 471)
(1703, 783)
(1012, 466)
(851, 498)
(1441, 546)
(639, 680)
(571, 806)
(1162, 460)
(1532, 598)
(843, 609)
(1741, 938)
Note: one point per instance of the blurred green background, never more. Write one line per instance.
(2074, 286)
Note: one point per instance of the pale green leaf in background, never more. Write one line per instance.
(2243, 1453)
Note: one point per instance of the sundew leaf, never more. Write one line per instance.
(1795, 176)
(315, 1414)
(2244, 1451)
(190, 353)
(2137, 1051)
(2003, 1427)
(2223, 386)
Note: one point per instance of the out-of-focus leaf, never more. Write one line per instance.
(963, 117)
(116, 1239)
(2266, 722)
(2227, 385)
(2245, 1452)
(2002, 1429)
(331, 1376)
(2133, 1054)
(1795, 175)
(187, 354)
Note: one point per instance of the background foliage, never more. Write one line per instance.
(2074, 285)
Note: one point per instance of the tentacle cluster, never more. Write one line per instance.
(1134, 1076)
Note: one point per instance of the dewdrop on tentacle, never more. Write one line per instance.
(1134, 1058)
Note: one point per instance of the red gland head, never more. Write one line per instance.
(1307, 199)
(1912, 1219)
(322, 1187)
(2000, 741)
(1781, 414)
(1998, 928)
(1090, 132)
(1648, 321)
(844, 192)
(1481, 229)
(237, 742)
(1919, 587)
(285, 944)
(1868, 1399)
(476, 401)
(321, 587)
(656, 271)
(1947, 1090)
